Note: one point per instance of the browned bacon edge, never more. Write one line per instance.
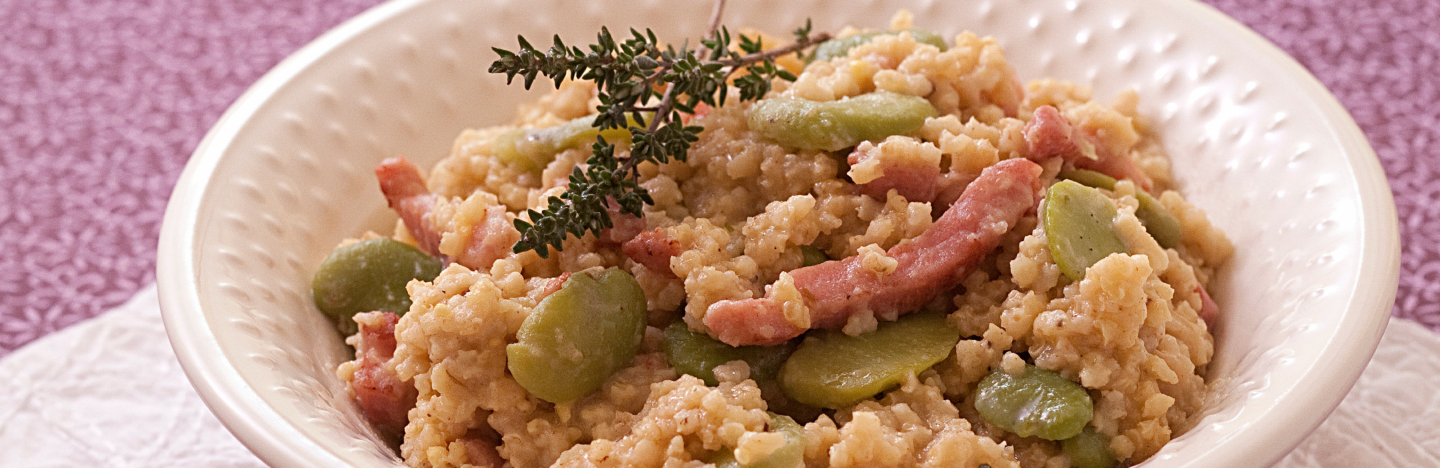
(652, 248)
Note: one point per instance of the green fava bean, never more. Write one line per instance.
(1088, 178)
(834, 125)
(790, 455)
(811, 255)
(1037, 402)
(1089, 449)
(1079, 227)
(533, 149)
(369, 276)
(840, 46)
(576, 337)
(833, 370)
(504, 148)
(1158, 221)
(697, 354)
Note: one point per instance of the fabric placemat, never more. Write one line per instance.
(109, 392)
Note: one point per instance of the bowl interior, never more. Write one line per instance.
(1255, 141)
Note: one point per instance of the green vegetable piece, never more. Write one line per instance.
(840, 46)
(1079, 227)
(834, 125)
(811, 255)
(1089, 178)
(1089, 449)
(577, 336)
(503, 147)
(793, 452)
(833, 370)
(368, 276)
(697, 354)
(533, 149)
(790, 455)
(1038, 402)
(1158, 221)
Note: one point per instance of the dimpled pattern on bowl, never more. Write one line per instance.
(1256, 142)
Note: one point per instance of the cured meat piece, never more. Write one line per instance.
(481, 448)
(626, 226)
(404, 189)
(1209, 311)
(383, 397)
(489, 240)
(914, 178)
(652, 248)
(548, 286)
(406, 193)
(1050, 135)
(929, 264)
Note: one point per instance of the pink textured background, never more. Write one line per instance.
(102, 101)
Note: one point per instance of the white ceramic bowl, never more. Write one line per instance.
(1256, 141)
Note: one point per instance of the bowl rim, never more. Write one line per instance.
(238, 407)
(261, 429)
(1379, 267)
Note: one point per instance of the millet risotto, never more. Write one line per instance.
(904, 257)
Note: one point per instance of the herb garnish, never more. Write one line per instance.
(628, 76)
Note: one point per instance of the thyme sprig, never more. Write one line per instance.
(643, 86)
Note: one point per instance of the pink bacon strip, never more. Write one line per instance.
(490, 240)
(1050, 135)
(915, 181)
(404, 188)
(929, 264)
(1209, 311)
(383, 397)
(654, 249)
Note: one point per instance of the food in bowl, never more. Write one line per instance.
(903, 257)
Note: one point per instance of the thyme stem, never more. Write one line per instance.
(626, 74)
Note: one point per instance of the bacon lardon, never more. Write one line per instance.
(384, 399)
(1050, 135)
(404, 189)
(406, 193)
(934, 261)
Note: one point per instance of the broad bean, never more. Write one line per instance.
(834, 125)
(840, 46)
(369, 276)
(698, 354)
(831, 369)
(1079, 227)
(576, 337)
(811, 255)
(534, 148)
(790, 455)
(1037, 402)
(1158, 221)
(1089, 449)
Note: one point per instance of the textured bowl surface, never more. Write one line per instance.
(1256, 141)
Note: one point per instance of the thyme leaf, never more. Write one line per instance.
(643, 86)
